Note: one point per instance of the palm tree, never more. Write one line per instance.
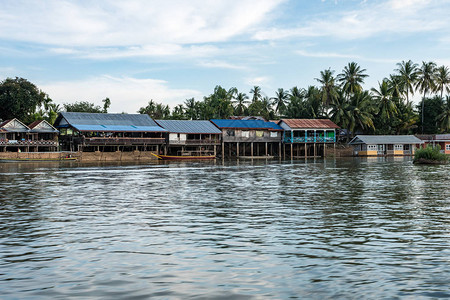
(328, 89)
(240, 100)
(442, 79)
(444, 116)
(280, 101)
(191, 109)
(266, 108)
(425, 81)
(408, 72)
(383, 96)
(339, 113)
(352, 78)
(360, 111)
(256, 91)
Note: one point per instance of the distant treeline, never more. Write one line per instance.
(385, 109)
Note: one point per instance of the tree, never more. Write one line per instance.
(352, 78)
(192, 109)
(280, 101)
(383, 97)
(425, 82)
(106, 104)
(178, 113)
(240, 101)
(444, 116)
(429, 112)
(339, 112)
(442, 80)
(155, 110)
(328, 89)
(408, 72)
(20, 99)
(256, 91)
(82, 106)
(360, 112)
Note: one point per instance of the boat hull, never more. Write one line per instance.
(184, 157)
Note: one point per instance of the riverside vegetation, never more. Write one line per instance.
(430, 155)
(385, 109)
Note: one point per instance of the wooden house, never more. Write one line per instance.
(443, 140)
(307, 137)
(15, 136)
(191, 138)
(384, 145)
(109, 132)
(249, 138)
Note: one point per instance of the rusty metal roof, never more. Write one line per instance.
(309, 123)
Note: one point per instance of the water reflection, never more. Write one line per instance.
(225, 229)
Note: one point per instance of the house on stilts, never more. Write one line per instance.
(98, 132)
(40, 136)
(307, 137)
(249, 138)
(191, 138)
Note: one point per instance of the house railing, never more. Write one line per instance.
(195, 142)
(310, 139)
(28, 143)
(98, 141)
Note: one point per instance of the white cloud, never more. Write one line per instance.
(127, 94)
(105, 23)
(221, 65)
(394, 16)
(259, 81)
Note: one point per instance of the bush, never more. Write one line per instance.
(430, 153)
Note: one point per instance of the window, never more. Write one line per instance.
(406, 147)
(230, 132)
(273, 134)
(398, 147)
(372, 147)
(259, 133)
(245, 134)
(447, 147)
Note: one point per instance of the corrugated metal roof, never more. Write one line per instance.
(187, 126)
(246, 124)
(385, 139)
(110, 122)
(42, 126)
(310, 123)
(442, 137)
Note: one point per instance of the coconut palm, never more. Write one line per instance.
(295, 92)
(408, 72)
(328, 88)
(425, 82)
(339, 113)
(352, 78)
(280, 101)
(191, 109)
(240, 101)
(256, 91)
(444, 116)
(442, 80)
(383, 96)
(360, 112)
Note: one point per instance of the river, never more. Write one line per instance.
(316, 229)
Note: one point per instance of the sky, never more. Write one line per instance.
(170, 50)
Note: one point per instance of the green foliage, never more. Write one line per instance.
(430, 153)
(83, 106)
(156, 110)
(20, 99)
(432, 108)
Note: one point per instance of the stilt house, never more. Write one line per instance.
(443, 140)
(192, 138)
(15, 136)
(109, 132)
(307, 137)
(249, 138)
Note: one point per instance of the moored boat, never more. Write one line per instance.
(183, 157)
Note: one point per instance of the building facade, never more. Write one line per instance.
(385, 145)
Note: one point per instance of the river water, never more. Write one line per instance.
(316, 229)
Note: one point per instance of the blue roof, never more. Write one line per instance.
(107, 122)
(187, 126)
(246, 124)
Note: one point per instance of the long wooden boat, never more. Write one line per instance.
(183, 157)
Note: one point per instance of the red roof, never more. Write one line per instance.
(35, 123)
(310, 123)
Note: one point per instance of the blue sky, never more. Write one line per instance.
(170, 50)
